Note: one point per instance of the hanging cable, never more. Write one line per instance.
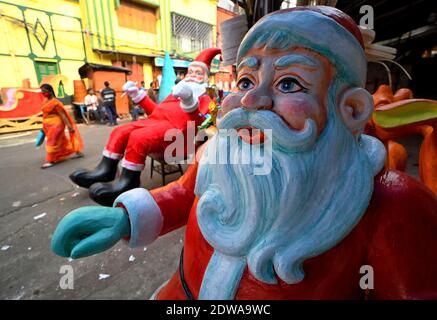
(388, 71)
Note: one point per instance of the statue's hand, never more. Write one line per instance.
(89, 230)
(130, 88)
(183, 91)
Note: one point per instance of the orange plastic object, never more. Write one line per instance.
(398, 115)
(398, 156)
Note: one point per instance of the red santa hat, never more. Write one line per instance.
(204, 59)
(325, 30)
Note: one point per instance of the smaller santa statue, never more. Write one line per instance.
(132, 143)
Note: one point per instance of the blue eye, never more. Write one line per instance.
(245, 84)
(289, 85)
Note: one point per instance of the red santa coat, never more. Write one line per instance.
(396, 236)
(138, 139)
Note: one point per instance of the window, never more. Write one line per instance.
(45, 69)
(136, 16)
(190, 35)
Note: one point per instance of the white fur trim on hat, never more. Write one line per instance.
(202, 65)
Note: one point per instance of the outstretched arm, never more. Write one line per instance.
(147, 104)
(176, 200)
(159, 211)
(139, 96)
(139, 216)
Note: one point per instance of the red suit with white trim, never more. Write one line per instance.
(138, 139)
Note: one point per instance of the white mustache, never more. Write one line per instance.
(193, 80)
(283, 137)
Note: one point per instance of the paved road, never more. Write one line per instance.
(28, 269)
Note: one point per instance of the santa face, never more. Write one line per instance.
(195, 74)
(317, 190)
(293, 84)
(196, 80)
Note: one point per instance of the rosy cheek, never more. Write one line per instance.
(296, 111)
(232, 101)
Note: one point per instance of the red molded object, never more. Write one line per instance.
(396, 154)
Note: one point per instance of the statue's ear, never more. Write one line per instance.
(356, 107)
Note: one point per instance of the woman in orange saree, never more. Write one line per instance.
(55, 118)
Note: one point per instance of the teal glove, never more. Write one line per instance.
(89, 230)
(40, 138)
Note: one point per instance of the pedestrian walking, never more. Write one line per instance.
(55, 119)
(108, 95)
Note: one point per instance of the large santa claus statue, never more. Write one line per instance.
(321, 209)
(133, 142)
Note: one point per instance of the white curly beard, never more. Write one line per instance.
(311, 199)
(198, 88)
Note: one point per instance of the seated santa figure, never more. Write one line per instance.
(133, 142)
(304, 216)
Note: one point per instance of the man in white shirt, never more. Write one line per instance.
(92, 105)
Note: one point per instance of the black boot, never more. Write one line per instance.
(104, 172)
(106, 193)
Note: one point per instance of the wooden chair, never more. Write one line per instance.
(163, 168)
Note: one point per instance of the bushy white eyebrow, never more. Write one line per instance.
(251, 62)
(288, 60)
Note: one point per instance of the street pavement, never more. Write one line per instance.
(32, 201)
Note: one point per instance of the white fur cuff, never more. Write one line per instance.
(190, 107)
(141, 95)
(132, 166)
(144, 214)
(112, 155)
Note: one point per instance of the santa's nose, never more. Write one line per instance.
(255, 100)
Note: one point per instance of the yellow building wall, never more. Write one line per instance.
(202, 10)
(137, 41)
(14, 70)
(70, 8)
(69, 41)
(10, 34)
(66, 42)
(70, 69)
(107, 41)
(19, 50)
(141, 43)
(100, 18)
(148, 72)
(32, 17)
